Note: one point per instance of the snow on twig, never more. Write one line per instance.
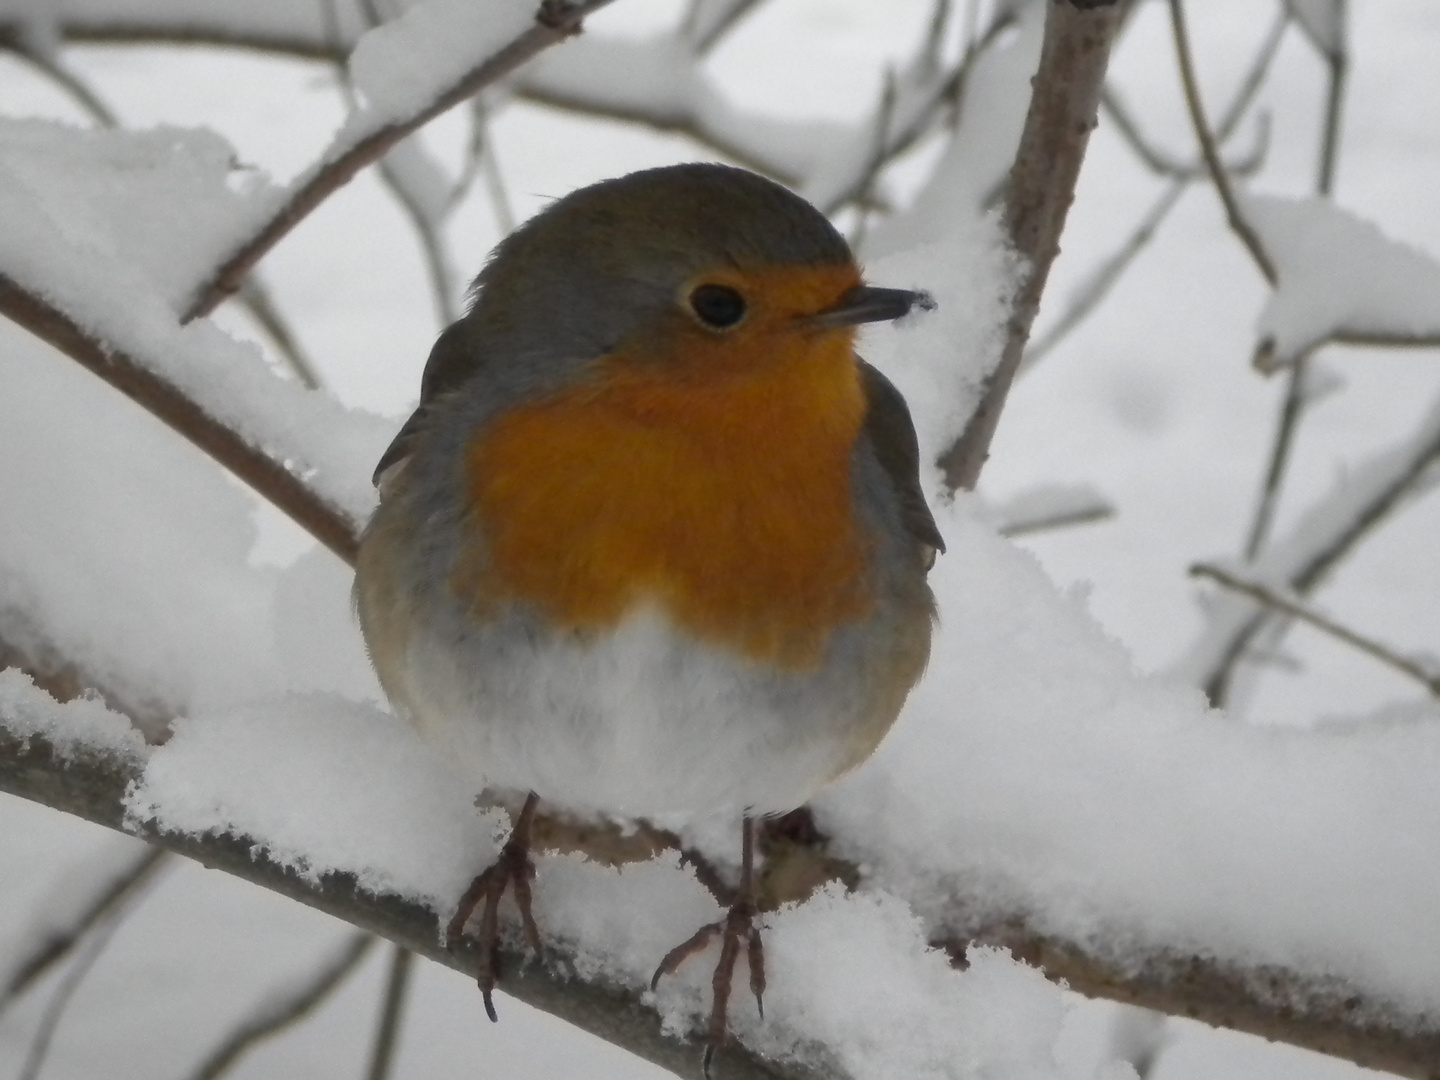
(402, 99)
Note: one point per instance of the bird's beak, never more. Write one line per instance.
(865, 303)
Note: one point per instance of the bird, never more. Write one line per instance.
(654, 542)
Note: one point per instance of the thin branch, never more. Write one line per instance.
(1163, 164)
(556, 20)
(1292, 408)
(253, 295)
(256, 299)
(705, 34)
(1316, 1012)
(935, 35)
(276, 480)
(915, 118)
(1290, 411)
(387, 1027)
(280, 1012)
(1098, 284)
(110, 896)
(1065, 520)
(1041, 186)
(1242, 228)
(1313, 550)
(1091, 292)
(44, 1034)
(884, 114)
(1369, 646)
(1338, 62)
(75, 87)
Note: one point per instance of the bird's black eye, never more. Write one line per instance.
(717, 305)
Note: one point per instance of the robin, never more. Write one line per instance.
(654, 541)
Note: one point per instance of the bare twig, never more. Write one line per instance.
(884, 114)
(276, 480)
(1293, 405)
(1338, 61)
(1101, 280)
(1369, 646)
(279, 1012)
(1092, 291)
(1041, 187)
(557, 20)
(1206, 139)
(1079, 516)
(58, 944)
(1163, 164)
(1290, 411)
(1325, 536)
(256, 299)
(44, 1034)
(935, 35)
(708, 21)
(76, 88)
(392, 1008)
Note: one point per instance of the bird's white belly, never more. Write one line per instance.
(639, 722)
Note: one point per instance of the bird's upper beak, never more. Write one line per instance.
(865, 303)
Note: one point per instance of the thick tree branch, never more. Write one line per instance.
(1318, 1013)
(1073, 59)
(92, 786)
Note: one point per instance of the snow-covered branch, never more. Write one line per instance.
(86, 766)
(401, 98)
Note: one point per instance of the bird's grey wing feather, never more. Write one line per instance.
(453, 360)
(892, 435)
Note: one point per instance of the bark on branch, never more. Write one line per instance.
(1041, 186)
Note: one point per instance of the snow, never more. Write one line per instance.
(1339, 276)
(101, 280)
(82, 725)
(322, 784)
(403, 65)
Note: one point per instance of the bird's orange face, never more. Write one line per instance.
(703, 468)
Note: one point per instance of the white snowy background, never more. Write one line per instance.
(1055, 750)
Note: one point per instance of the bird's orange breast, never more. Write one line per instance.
(725, 500)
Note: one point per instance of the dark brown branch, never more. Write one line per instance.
(272, 478)
(1041, 186)
(555, 21)
(1369, 646)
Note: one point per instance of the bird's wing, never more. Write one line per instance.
(453, 359)
(892, 434)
